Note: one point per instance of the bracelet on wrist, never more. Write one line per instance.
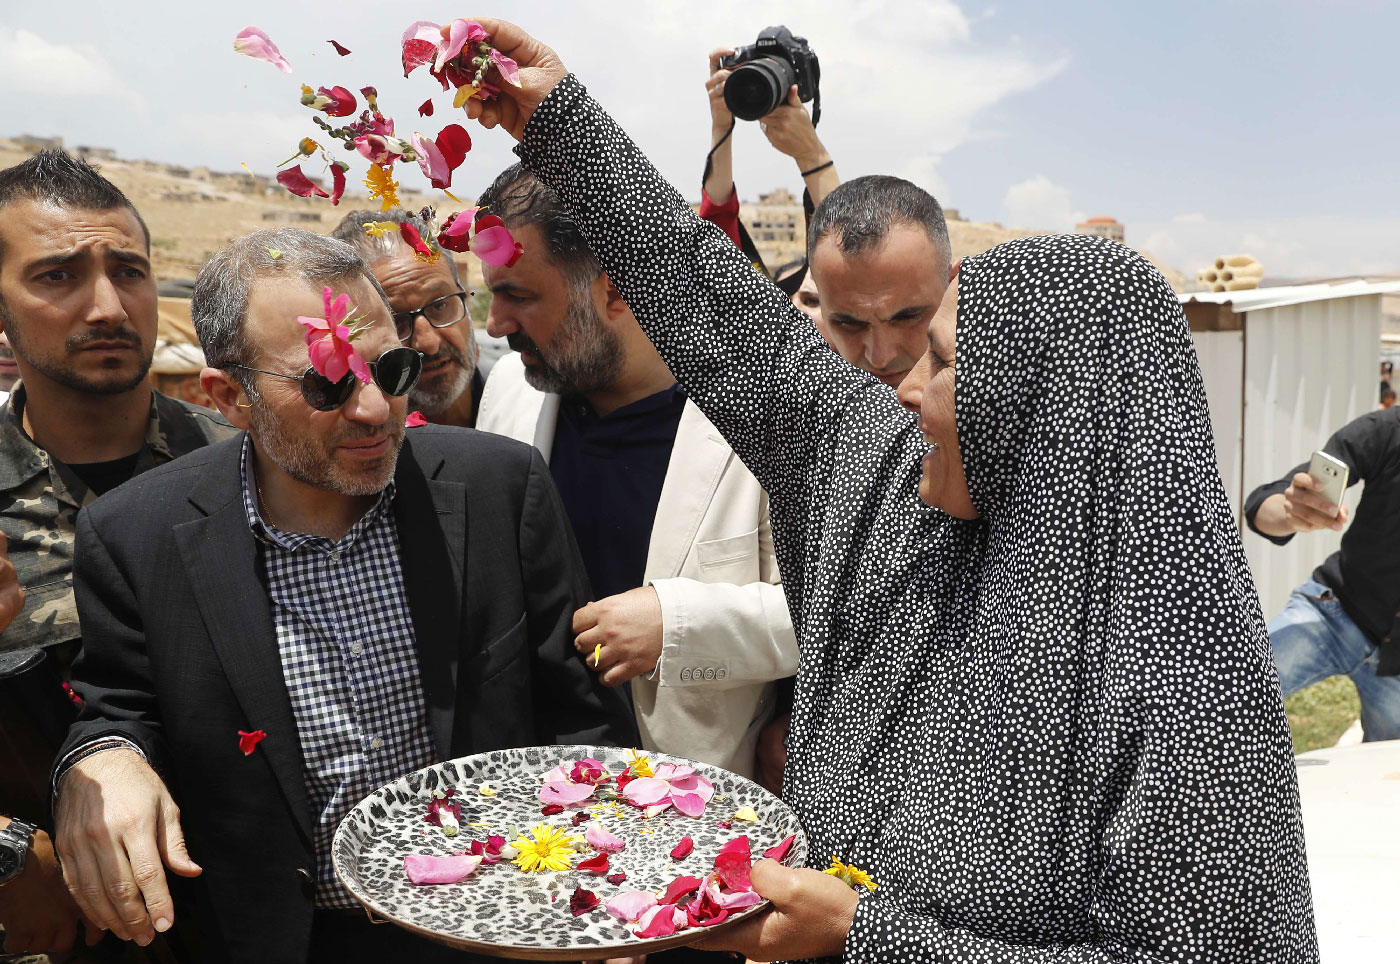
(819, 168)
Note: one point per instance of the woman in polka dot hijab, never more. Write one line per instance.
(1048, 731)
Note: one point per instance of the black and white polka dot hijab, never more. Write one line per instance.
(1120, 697)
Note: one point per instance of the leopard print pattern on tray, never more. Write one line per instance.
(502, 910)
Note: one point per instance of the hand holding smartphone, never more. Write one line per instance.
(1330, 474)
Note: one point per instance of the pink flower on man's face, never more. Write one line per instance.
(254, 42)
(328, 341)
(674, 785)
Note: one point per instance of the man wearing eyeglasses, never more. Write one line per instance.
(430, 314)
(283, 622)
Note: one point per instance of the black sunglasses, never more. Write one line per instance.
(441, 312)
(395, 372)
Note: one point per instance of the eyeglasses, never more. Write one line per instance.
(395, 372)
(442, 312)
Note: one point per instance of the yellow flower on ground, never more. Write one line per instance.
(851, 874)
(547, 848)
(745, 815)
(640, 765)
(378, 229)
(382, 186)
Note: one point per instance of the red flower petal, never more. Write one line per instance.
(485, 221)
(705, 912)
(663, 924)
(414, 420)
(581, 817)
(455, 142)
(679, 887)
(682, 849)
(594, 865)
(781, 850)
(337, 183)
(247, 741)
(425, 109)
(298, 183)
(623, 779)
(582, 901)
(617, 878)
(342, 103)
(550, 809)
(338, 48)
(73, 697)
(732, 864)
(416, 53)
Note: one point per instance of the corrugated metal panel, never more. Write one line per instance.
(1309, 368)
(1222, 366)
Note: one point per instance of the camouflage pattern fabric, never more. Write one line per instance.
(39, 503)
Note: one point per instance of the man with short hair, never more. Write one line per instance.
(78, 307)
(673, 528)
(430, 306)
(278, 625)
(879, 287)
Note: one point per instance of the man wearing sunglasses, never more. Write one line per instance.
(288, 620)
(430, 314)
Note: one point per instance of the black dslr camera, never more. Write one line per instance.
(762, 72)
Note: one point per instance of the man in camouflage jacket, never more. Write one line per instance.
(78, 305)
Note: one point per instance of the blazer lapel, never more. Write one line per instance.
(546, 423)
(698, 461)
(432, 522)
(221, 562)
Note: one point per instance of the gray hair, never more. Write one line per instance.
(219, 305)
(351, 230)
(861, 212)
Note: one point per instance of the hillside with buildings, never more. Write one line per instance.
(194, 211)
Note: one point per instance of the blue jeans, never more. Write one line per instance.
(1314, 639)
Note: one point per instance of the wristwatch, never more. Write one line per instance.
(14, 848)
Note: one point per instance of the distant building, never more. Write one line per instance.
(1103, 227)
(951, 214)
(34, 144)
(291, 216)
(96, 153)
(777, 226)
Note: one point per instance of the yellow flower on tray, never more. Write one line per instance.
(546, 848)
(851, 874)
(640, 765)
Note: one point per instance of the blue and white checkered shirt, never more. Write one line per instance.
(346, 640)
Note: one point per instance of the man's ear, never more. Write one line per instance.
(614, 307)
(953, 269)
(223, 389)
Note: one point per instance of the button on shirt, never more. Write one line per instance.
(347, 645)
(609, 470)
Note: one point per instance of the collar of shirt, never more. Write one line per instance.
(577, 409)
(292, 541)
(21, 458)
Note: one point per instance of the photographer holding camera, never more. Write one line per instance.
(774, 76)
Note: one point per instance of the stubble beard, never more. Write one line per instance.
(306, 461)
(585, 356)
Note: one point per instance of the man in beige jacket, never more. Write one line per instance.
(672, 527)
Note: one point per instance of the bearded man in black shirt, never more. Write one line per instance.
(1345, 619)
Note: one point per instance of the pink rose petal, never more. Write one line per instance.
(254, 42)
(565, 793)
(629, 907)
(425, 869)
(781, 850)
(599, 839)
(690, 804)
(660, 921)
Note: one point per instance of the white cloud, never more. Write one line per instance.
(1038, 202)
(1298, 247)
(31, 65)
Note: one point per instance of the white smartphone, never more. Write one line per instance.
(1330, 474)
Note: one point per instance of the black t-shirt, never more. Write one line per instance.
(103, 477)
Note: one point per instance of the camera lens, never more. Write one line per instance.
(756, 88)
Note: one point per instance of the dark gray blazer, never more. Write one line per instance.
(179, 654)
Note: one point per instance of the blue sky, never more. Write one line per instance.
(1206, 128)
